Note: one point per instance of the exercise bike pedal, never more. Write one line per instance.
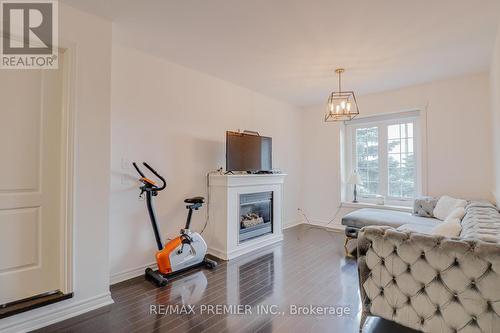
(209, 263)
(156, 277)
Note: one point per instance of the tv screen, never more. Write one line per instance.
(247, 152)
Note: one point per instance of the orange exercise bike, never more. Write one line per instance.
(184, 252)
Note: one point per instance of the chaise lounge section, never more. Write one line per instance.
(421, 219)
(360, 218)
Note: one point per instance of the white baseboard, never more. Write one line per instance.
(55, 313)
(292, 224)
(217, 253)
(325, 225)
(319, 224)
(130, 273)
(332, 227)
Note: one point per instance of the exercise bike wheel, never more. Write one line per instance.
(209, 263)
(156, 277)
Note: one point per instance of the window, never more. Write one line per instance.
(401, 160)
(384, 151)
(367, 159)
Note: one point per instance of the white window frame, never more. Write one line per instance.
(382, 122)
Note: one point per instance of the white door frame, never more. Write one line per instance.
(68, 49)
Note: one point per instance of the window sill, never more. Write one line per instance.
(372, 205)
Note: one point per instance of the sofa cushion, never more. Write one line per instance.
(446, 205)
(481, 221)
(371, 216)
(449, 228)
(421, 228)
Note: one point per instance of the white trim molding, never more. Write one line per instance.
(69, 147)
(292, 224)
(130, 273)
(415, 116)
(327, 225)
(54, 313)
(359, 205)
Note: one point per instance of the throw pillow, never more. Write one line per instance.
(446, 205)
(424, 206)
(457, 213)
(452, 228)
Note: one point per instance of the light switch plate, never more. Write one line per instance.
(125, 163)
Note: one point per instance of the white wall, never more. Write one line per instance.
(92, 37)
(459, 142)
(176, 118)
(495, 93)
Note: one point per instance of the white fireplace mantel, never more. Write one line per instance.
(222, 234)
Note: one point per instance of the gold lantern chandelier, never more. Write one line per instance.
(342, 105)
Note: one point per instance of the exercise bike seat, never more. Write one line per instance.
(195, 200)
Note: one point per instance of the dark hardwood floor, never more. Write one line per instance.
(307, 268)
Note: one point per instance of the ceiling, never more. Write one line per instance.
(288, 49)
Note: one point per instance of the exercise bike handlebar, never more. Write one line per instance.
(138, 170)
(164, 183)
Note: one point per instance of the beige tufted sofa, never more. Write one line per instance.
(429, 283)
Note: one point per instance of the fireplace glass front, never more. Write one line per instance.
(256, 215)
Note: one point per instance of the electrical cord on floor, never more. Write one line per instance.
(301, 211)
(329, 222)
(335, 215)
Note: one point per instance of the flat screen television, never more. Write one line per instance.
(248, 152)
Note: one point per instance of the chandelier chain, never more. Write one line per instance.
(340, 82)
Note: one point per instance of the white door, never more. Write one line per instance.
(31, 182)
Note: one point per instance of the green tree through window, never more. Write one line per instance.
(391, 146)
(401, 161)
(367, 161)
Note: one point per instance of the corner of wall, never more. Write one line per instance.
(495, 109)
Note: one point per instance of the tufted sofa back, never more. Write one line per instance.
(429, 283)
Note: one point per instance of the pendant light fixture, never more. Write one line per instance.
(341, 104)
